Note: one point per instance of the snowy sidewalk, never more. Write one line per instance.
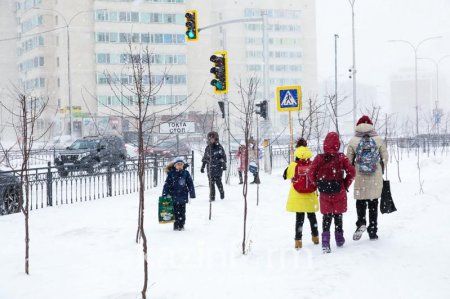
(87, 250)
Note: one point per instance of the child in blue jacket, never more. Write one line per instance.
(178, 185)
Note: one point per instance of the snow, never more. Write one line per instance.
(88, 250)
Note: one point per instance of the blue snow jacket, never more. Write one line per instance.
(178, 185)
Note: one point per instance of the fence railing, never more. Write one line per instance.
(47, 188)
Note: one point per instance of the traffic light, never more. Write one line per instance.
(191, 25)
(222, 108)
(262, 111)
(220, 71)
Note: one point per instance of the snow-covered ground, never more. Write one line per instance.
(88, 250)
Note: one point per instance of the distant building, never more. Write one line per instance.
(403, 99)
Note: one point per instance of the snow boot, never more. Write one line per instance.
(358, 233)
(298, 244)
(315, 240)
(340, 240)
(326, 242)
(373, 237)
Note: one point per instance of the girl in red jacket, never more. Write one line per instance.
(333, 173)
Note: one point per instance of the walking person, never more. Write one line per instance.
(241, 154)
(253, 156)
(333, 173)
(369, 155)
(179, 185)
(303, 194)
(215, 161)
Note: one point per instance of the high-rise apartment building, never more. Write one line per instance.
(77, 53)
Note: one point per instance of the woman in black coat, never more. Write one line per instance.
(215, 161)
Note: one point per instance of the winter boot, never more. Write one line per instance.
(340, 240)
(326, 242)
(373, 236)
(222, 195)
(358, 233)
(298, 244)
(315, 240)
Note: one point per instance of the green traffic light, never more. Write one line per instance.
(219, 85)
(190, 34)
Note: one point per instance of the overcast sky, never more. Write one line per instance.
(376, 22)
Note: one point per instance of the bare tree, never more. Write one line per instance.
(312, 119)
(25, 114)
(137, 99)
(248, 97)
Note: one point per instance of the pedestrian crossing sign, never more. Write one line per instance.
(289, 98)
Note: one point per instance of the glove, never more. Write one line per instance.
(202, 170)
(224, 167)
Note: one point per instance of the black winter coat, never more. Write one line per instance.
(215, 160)
(178, 185)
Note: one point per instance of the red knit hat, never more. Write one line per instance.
(364, 120)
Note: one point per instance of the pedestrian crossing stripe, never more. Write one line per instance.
(289, 98)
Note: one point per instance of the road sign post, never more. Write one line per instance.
(289, 98)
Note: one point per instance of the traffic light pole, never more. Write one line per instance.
(265, 37)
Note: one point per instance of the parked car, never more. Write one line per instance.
(91, 154)
(61, 142)
(10, 189)
(168, 148)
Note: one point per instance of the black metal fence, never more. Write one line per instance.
(47, 188)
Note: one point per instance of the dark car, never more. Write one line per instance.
(9, 193)
(168, 148)
(92, 153)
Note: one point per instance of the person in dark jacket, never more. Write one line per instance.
(179, 185)
(215, 161)
(328, 170)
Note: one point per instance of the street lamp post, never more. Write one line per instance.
(69, 78)
(436, 65)
(415, 49)
(353, 69)
(335, 83)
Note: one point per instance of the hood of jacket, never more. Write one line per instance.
(171, 166)
(303, 153)
(364, 128)
(331, 144)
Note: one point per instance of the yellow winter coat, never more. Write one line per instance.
(300, 202)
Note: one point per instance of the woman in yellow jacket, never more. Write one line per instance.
(303, 194)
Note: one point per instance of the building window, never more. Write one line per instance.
(103, 58)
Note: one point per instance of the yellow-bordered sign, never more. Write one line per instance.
(223, 79)
(289, 98)
(191, 26)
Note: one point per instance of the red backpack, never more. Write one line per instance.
(300, 181)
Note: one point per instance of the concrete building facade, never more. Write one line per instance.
(77, 53)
